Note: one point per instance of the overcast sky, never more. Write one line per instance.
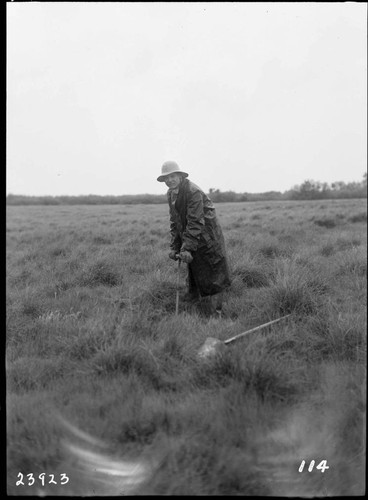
(248, 97)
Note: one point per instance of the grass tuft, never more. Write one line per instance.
(100, 273)
(295, 289)
(327, 250)
(159, 298)
(272, 251)
(32, 308)
(361, 217)
(328, 223)
(253, 277)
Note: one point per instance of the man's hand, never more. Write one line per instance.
(186, 256)
(173, 255)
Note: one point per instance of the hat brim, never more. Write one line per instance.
(161, 178)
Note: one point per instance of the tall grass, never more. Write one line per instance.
(104, 382)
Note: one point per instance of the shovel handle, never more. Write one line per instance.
(232, 339)
(177, 288)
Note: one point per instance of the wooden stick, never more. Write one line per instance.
(177, 289)
(232, 339)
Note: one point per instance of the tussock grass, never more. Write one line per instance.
(353, 263)
(328, 250)
(136, 361)
(274, 250)
(252, 277)
(339, 336)
(361, 217)
(295, 289)
(328, 223)
(30, 373)
(160, 297)
(257, 371)
(92, 335)
(26, 433)
(99, 272)
(326, 336)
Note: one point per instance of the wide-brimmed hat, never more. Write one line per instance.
(170, 167)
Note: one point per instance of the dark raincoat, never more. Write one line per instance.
(194, 227)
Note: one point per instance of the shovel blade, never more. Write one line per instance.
(211, 347)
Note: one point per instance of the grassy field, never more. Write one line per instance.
(104, 383)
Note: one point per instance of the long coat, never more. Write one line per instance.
(194, 227)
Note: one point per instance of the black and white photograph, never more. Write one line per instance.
(186, 249)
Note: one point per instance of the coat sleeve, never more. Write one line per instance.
(195, 222)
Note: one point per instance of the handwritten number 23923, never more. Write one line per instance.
(41, 477)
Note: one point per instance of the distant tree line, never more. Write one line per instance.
(308, 190)
(90, 199)
(312, 190)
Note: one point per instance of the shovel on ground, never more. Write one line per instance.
(213, 346)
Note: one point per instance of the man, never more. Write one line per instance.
(196, 238)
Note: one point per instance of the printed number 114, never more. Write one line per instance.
(322, 466)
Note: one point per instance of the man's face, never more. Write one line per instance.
(172, 181)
